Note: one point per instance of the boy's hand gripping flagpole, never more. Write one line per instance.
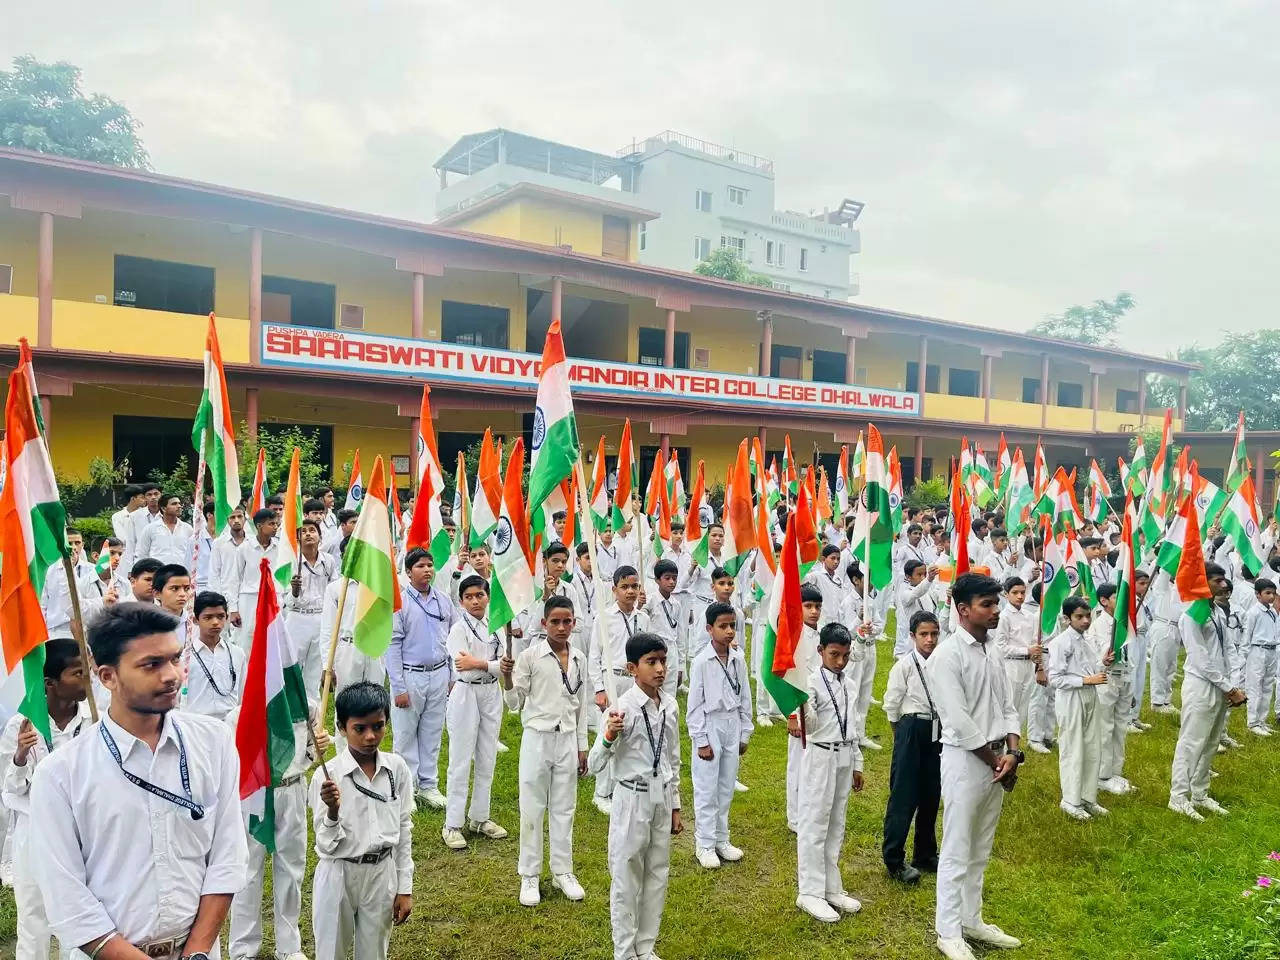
(601, 634)
(77, 628)
(326, 686)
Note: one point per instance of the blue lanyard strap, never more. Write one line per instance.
(187, 803)
(662, 733)
(231, 662)
(417, 598)
(372, 795)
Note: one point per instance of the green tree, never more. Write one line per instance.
(1094, 324)
(278, 444)
(727, 265)
(42, 108)
(927, 493)
(1240, 373)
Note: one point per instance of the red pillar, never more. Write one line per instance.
(255, 304)
(251, 411)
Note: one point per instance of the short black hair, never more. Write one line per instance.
(558, 515)
(1036, 590)
(1105, 590)
(677, 525)
(263, 515)
(1011, 582)
(210, 509)
(1262, 583)
(555, 549)
(663, 567)
(131, 490)
(969, 586)
(113, 542)
(475, 580)
(362, 699)
(1140, 574)
(275, 499)
(720, 573)
(346, 514)
(167, 573)
(166, 497)
(1072, 604)
(853, 571)
(914, 528)
(484, 545)
(810, 594)
(144, 566)
(556, 602)
(623, 572)
(59, 653)
(713, 524)
(207, 599)
(830, 550)
(911, 566)
(414, 556)
(999, 532)
(1213, 570)
(1090, 541)
(115, 627)
(582, 549)
(310, 523)
(319, 492)
(312, 504)
(639, 644)
(148, 486)
(919, 617)
(718, 609)
(980, 523)
(835, 633)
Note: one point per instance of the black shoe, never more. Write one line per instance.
(905, 874)
(928, 866)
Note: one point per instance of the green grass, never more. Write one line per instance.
(1142, 882)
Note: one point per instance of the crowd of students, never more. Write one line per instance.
(171, 614)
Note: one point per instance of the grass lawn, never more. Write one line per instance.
(1142, 882)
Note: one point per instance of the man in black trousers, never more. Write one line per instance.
(914, 780)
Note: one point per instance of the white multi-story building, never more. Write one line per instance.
(706, 196)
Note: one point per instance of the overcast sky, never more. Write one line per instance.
(1015, 158)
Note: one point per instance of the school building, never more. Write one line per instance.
(332, 319)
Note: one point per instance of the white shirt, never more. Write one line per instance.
(833, 587)
(472, 636)
(619, 628)
(122, 524)
(1016, 631)
(550, 698)
(245, 575)
(166, 545)
(718, 687)
(912, 599)
(607, 560)
(1207, 656)
(830, 713)
(632, 752)
(111, 856)
(215, 678)
(316, 577)
(221, 563)
(1260, 628)
(1071, 658)
(906, 692)
(970, 691)
(16, 793)
(329, 612)
(364, 824)
(203, 557)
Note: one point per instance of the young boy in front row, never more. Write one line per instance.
(1075, 669)
(718, 715)
(811, 613)
(364, 824)
(831, 764)
(547, 684)
(1113, 696)
(915, 779)
(862, 663)
(640, 744)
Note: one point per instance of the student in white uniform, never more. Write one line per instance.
(473, 717)
(244, 578)
(1075, 669)
(1165, 638)
(718, 715)
(170, 539)
(122, 519)
(640, 744)
(830, 766)
(1041, 721)
(1261, 637)
(980, 759)
(583, 592)
(216, 667)
(150, 794)
(222, 556)
(831, 583)
(862, 662)
(669, 618)
(811, 613)
(1139, 649)
(913, 595)
(363, 823)
(547, 684)
(1017, 641)
(304, 603)
(21, 749)
(607, 554)
(1114, 696)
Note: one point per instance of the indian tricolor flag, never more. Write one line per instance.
(662, 509)
(512, 583)
(555, 432)
(461, 507)
(287, 551)
(785, 662)
(369, 561)
(1238, 468)
(599, 502)
(355, 485)
(858, 468)
(258, 498)
(1054, 576)
(675, 485)
(1240, 524)
(486, 505)
(1004, 470)
(1099, 490)
(271, 733)
(211, 432)
(842, 483)
(739, 520)
(1137, 482)
(1126, 625)
(102, 565)
(427, 529)
(695, 529)
(878, 551)
(763, 570)
(32, 537)
(895, 490)
(1190, 579)
(1021, 495)
(789, 477)
(622, 510)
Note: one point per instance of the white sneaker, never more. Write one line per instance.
(1095, 809)
(739, 787)
(453, 838)
(954, 948)
(568, 884)
(818, 908)
(1210, 804)
(1075, 813)
(294, 956)
(1144, 725)
(844, 903)
(1036, 747)
(992, 936)
(866, 743)
(529, 894)
(603, 804)
(502, 747)
(764, 721)
(1260, 731)
(873, 701)
(1116, 785)
(1136, 727)
(1222, 748)
(1165, 708)
(1230, 741)
(488, 829)
(1185, 808)
(727, 851)
(707, 858)
(432, 798)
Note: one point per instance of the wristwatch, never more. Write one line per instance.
(1019, 756)
(196, 956)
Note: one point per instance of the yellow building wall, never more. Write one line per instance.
(545, 221)
(106, 329)
(18, 318)
(19, 239)
(502, 220)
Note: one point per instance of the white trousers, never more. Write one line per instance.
(248, 616)
(548, 789)
(970, 812)
(288, 867)
(1260, 682)
(713, 780)
(1138, 682)
(1040, 713)
(604, 779)
(1204, 716)
(795, 754)
(1079, 744)
(311, 648)
(1022, 679)
(473, 716)
(351, 666)
(866, 677)
(33, 922)
(1114, 707)
(416, 729)
(1165, 643)
(639, 863)
(827, 777)
(351, 905)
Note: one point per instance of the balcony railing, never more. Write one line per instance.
(720, 152)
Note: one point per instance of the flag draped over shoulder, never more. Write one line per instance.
(32, 537)
(555, 432)
(511, 586)
(369, 561)
(212, 434)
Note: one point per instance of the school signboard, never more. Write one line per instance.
(347, 351)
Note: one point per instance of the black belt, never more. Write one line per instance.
(639, 786)
(1265, 646)
(425, 668)
(376, 857)
(475, 683)
(926, 717)
(1017, 656)
(161, 949)
(290, 781)
(620, 671)
(998, 746)
(836, 746)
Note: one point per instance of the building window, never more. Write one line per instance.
(785, 362)
(779, 285)
(6, 278)
(162, 285)
(775, 253)
(702, 200)
(737, 195)
(828, 367)
(644, 234)
(737, 244)
(653, 347)
(804, 258)
(1070, 395)
(1126, 401)
(298, 302)
(932, 377)
(702, 248)
(768, 252)
(679, 454)
(782, 254)
(1030, 389)
(963, 383)
(474, 325)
